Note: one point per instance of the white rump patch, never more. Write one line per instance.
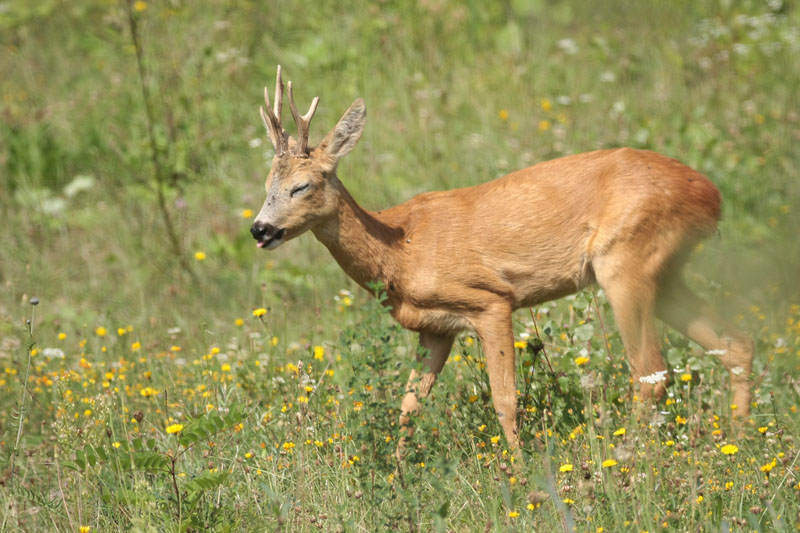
(654, 378)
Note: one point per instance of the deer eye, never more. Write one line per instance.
(298, 189)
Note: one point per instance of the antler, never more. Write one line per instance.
(303, 123)
(272, 120)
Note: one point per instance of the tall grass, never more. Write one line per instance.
(457, 93)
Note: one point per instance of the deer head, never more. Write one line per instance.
(301, 187)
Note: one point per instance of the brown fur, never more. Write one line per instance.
(467, 258)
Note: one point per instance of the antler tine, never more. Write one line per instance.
(273, 126)
(303, 122)
(272, 117)
(278, 94)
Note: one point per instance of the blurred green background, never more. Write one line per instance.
(457, 93)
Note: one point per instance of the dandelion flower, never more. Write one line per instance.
(763, 429)
(503, 114)
(619, 432)
(247, 213)
(200, 256)
(85, 529)
(136, 346)
(686, 377)
(100, 331)
(608, 463)
(565, 468)
(319, 353)
(680, 420)
(239, 322)
(62, 336)
(258, 313)
(495, 439)
(729, 449)
(769, 466)
(174, 428)
(580, 361)
(140, 5)
(513, 514)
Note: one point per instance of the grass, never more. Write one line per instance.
(288, 419)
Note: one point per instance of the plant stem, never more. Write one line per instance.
(173, 461)
(158, 168)
(21, 410)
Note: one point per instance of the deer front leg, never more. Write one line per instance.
(497, 340)
(419, 384)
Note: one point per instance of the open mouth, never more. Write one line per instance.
(273, 241)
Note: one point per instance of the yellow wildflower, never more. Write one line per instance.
(729, 449)
(259, 312)
(174, 428)
(100, 331)
(319, 353)
(565, 468)
(503, 114)
(619, 432)
(686, 377)
(580, 361)
(200, 256)
(247, 213)
(608, 463)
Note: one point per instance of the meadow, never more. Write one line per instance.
(159, 373)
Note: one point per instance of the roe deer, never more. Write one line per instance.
(466, 258)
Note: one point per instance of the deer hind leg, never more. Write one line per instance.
(682, 309)
(632, 294)
(497, 339)
(420, 383)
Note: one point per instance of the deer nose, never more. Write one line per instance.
(261, 231)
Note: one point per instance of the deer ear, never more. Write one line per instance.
(347, 132)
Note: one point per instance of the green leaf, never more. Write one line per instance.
(584, 332)
(205, 482)
(101, 453)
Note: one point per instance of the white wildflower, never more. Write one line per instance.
(655, 377)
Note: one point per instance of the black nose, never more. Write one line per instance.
(261, 231)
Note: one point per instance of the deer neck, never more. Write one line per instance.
(363, 245)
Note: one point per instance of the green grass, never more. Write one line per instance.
(457, 93)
